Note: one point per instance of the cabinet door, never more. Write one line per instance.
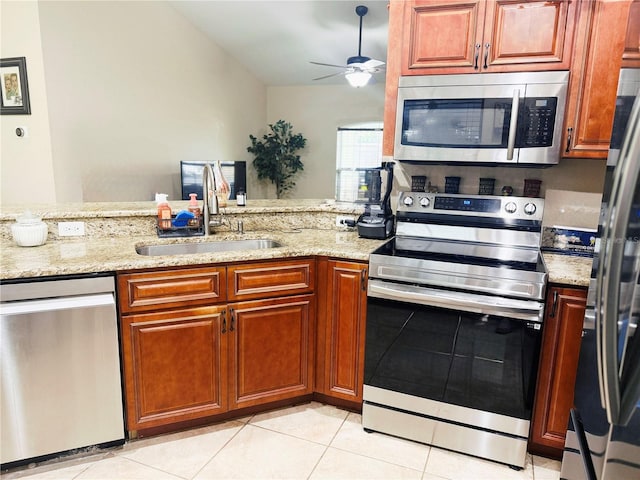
(492, 36)
(271, 350)
(593, 81)
(562, 334)
(175, 365)
(341, 330)
(631, 56)
(528, 35)
(442, 37)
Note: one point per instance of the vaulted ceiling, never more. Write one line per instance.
(276, 40)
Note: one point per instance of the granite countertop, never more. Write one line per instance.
(87, 255)
(568, 269)
(303, 227)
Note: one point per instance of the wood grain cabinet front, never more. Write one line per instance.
(463, 36)
(562, 333)
(272, 350)
(271, 279)
(604, 28)
(189, 354)
(342, 304)
(175, 366)
(158, 289)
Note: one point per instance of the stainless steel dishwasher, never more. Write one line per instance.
(60, 368)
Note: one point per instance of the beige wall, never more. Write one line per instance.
(134, 88)
(317, 112)
(26, 168)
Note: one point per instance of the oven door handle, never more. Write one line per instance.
(529, 310)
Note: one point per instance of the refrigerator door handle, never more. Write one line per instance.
(612, 251)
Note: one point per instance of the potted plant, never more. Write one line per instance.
(276, 157)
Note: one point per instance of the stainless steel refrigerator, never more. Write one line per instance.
(603, 439)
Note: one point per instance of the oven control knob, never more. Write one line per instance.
(511, 207)
(408, 201)
(425, 202)
(530, 208)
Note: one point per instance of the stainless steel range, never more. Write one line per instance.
(454, 316)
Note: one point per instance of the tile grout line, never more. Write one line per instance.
(244, 424)
(326, 449)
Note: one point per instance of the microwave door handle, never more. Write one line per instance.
(515, 104)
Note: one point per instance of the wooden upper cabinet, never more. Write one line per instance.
(593, 83)
(442, 37)
(631, 55)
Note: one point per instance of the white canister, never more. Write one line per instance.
(29, 230)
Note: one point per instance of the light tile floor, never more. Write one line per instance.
(311, 441)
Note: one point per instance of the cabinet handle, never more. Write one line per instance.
(233, 320)
(224, 321)
(569, 135)
(486, 55)
(363, 279)
(475, 62)
(555, 304)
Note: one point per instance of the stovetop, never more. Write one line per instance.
(466, 242)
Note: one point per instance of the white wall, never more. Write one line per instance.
(316, 112)
(26, 164)
(134, 88)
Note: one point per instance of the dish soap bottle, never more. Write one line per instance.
(164, 211)
(222, 186)
(195, 209)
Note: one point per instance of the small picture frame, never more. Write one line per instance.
(15, 89)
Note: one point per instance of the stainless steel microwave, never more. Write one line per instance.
(491, 118)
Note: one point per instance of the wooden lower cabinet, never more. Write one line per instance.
(175, 366)
(562, 333)
(342, 298)
(271, 351)
(190, 351)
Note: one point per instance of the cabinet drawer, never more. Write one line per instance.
(146, 291)
(263, 280)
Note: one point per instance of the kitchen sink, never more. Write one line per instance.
(206, 247)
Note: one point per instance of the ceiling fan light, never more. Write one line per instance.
(358, 79)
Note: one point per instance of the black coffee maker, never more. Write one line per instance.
(377, 221)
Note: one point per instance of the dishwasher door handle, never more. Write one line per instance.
(25, 307)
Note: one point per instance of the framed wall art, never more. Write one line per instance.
(15, 89)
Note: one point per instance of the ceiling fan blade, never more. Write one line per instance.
(330, 75)
(329, 65)
(373, 63)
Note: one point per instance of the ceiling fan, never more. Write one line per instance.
(358, 69)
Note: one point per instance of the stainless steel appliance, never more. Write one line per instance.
(505, 118)
(454, 316)
(60, 368)
(603, 439)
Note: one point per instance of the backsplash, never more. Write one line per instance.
(578, 175)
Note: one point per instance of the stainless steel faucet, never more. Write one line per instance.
(210, 201)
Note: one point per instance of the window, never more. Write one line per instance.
(359, 149)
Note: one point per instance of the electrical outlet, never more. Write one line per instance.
(340, 220)
(70, 229)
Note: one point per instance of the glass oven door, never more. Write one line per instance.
(474, 360)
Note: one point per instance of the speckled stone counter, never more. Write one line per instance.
(113, 230)
(568, 269)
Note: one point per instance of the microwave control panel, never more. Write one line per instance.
(537, 122)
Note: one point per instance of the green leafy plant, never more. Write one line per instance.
(276, 157)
